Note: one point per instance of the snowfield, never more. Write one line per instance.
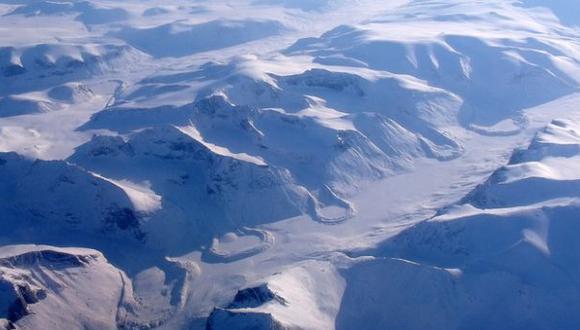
(304, 164)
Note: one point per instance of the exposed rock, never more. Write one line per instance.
(254, 297)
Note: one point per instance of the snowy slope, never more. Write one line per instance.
(37, 194)
(41, 283)
(495, 74)
(544, 171)
(179, 39)
(510, 244)
(223, 186)
(309, 164)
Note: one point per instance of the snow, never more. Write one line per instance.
(311, 164)
(179, 39)
(62, 278)
(142, 197)
(502, 241)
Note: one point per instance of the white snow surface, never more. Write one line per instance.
(289, 164)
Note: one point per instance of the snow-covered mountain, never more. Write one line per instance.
(509, 246)
(46, 287)
(308, 164)
(37, 196)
